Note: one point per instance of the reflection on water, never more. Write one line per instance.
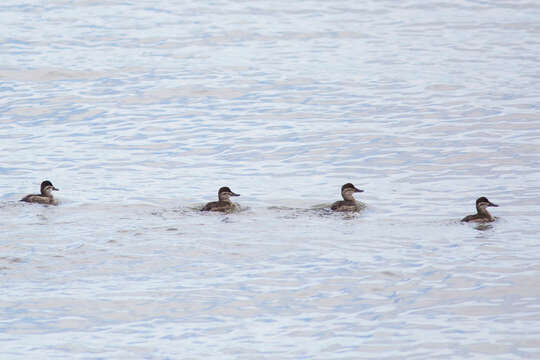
(483, 227)
(139, 111)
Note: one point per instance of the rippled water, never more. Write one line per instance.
(140, 111)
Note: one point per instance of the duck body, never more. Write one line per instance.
(224, 204)
(477, 218)
(45, 197)
(345, 205)
(348, 203)
(39, 199)
(482, 215)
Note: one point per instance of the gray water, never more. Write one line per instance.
(140, 111)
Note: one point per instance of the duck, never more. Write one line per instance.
(348, 203)
(45, 197)
(224, 204)
(482, 215)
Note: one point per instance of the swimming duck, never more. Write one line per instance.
(46, 194)
(482, 214)
(224, 204)
(348, 203)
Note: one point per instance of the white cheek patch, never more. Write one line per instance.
(348, 194)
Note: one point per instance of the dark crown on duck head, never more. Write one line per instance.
(350, 186)
(226, 189)
(484, 199)
(46, 183)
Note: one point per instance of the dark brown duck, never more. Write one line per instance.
(482, 215)
(348, 203)
(45, 197)
(224, 203)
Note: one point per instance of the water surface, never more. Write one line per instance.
(140, 111)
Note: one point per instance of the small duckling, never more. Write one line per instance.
(348, 203)
(224, 204)
(45, 197)
(482, 214)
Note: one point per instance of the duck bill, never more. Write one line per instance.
(492, 204)
(55, 189)
(234, 194)
(358, 190)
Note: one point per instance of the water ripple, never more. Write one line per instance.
(139, 112)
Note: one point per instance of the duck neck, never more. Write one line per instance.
(47, 193)
(225, 198)
(482, 211)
